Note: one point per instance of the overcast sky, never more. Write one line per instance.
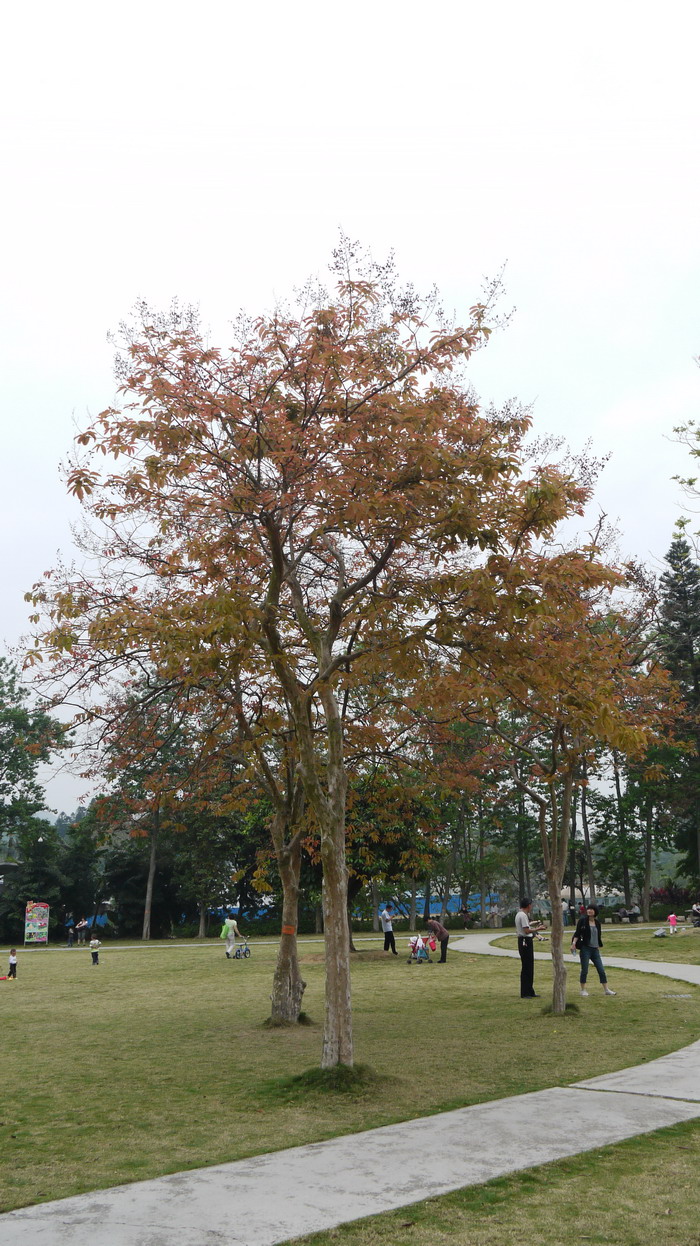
(213, 152)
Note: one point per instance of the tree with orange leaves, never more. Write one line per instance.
(296, 517)
(577, 678)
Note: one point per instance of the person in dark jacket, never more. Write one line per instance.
(587, 941)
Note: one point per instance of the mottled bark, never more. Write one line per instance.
(288, 986)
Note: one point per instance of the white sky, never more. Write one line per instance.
(213, 151)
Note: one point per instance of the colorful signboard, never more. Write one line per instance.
(36, 922)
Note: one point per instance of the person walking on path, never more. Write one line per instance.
(387, 918)
(12, 967)
(587, 941)
(95, 946)
(229, 932)
(442, 935)
(526, 931)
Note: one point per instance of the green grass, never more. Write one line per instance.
(159, 1059)
(636, 942)
(643, 1192)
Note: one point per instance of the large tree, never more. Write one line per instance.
(296, 516)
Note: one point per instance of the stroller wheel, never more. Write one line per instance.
(409, 961)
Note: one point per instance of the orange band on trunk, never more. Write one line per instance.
(288, 929)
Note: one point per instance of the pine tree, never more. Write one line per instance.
(679, 650)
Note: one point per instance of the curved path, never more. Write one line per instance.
(271, 1198)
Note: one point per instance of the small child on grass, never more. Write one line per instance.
(12, 970)
(95, 946)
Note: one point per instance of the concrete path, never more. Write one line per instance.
(272, 1198)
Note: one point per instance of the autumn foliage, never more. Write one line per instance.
(320, 510)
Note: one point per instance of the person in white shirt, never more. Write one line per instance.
(387, 918)
(526, 931)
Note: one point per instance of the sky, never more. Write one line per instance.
(212, 153)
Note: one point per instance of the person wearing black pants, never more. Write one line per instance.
(526, 934)
(387, 918)
(441, 934)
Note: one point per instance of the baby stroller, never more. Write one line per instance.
(242, 950)
(420, 950)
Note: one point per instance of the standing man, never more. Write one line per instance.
(526, 933)
(387, 918)
(441, 934)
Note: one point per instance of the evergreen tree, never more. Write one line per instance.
(679, 650)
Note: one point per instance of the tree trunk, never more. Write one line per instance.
(146, 934)
(412, 910)
(451, 861)
(523, 880)
(554, 881)
(587, 839)
(482, 876)
(375, 905)
(318, 919)
(648, 847)
(622, 825)
(351, 942)
(555, 851)
(426, 906)
(202, 933)
(337, 1038)
(288, 986)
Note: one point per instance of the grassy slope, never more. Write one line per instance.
(158, 1060)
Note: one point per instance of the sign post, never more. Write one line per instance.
(36, 922)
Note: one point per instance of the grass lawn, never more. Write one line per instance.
(158, 1060)
(636, 942)
(643, 1192)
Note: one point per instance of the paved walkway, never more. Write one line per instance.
(272, 1198)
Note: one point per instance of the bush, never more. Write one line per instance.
(659, 912)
